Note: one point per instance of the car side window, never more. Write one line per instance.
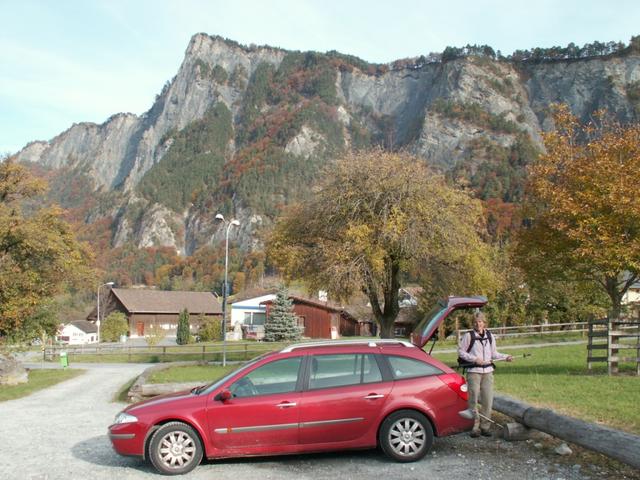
(280, 376)
(403, 367)
(344, 369)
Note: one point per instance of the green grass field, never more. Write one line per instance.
(557, 378)
(192, 373)
(38, 379)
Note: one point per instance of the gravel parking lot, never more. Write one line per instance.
(60, 433)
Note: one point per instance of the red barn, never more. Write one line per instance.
(323, 320)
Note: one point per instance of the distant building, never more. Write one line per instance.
(631, 300)
(80, 332)
(324, 320)
(158, 308)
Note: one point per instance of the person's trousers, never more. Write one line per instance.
(480, 387)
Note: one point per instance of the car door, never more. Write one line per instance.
(343, 399)
(263, 412)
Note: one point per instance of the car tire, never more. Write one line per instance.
(175, 448)
(406, 436)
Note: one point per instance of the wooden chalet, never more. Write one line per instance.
(322, 319)
(147, 308)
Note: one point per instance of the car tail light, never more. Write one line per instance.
(456, 383)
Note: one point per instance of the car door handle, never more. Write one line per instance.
(286, 404)
(372, 396)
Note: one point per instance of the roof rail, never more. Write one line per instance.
(370, 343)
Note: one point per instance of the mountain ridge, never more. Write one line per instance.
(243, 130)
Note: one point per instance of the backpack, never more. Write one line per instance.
(464, 364)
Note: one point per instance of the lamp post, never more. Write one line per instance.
(236, 223)
(108, 284)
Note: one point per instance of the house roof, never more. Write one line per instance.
(162, 301)
(315, 303)
(85, 326)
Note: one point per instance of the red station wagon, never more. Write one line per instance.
(308, 397)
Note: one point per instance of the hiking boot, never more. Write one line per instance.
(485, 433)
(474, 434)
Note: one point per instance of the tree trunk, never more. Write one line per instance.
(611, 286)
(386, 316)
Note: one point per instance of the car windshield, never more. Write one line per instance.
(431, 321)
(212, 386)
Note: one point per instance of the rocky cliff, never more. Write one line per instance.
(244, 130)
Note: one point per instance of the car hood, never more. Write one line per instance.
(425, 330)
(159, 400)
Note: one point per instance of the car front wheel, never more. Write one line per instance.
(406, 436)
(175, 448)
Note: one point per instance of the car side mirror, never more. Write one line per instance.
(223, 396)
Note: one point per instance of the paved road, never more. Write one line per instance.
(60, 433)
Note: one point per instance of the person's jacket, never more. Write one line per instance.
(482, 349)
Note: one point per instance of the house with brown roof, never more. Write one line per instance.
(145, 309)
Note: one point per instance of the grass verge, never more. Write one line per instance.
(191, 373)
(38, 379)
(557, 378)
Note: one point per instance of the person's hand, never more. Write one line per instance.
(509, 358)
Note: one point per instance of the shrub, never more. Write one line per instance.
(183, 335)
(210, 329)
(113, 327)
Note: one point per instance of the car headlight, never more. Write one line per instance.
(123, 417)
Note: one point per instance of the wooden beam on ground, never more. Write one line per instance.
(622, 446)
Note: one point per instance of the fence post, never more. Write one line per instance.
(203, 347)
(164, 354)
(611, 352)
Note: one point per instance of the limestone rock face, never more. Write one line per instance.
(402, 108)
(11, 371)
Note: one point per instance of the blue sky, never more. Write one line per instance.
(68, 61)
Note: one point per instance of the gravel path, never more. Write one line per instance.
(60, 433)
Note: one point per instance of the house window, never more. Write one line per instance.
(254, 318)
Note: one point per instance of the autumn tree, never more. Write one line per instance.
(374, 216)
(583, 207)
(39, 255)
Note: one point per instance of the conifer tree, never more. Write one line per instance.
(282, 323)
(183, 335)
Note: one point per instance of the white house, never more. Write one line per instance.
(249, 311)
(631, 299)
(78, 333)
(250, 315)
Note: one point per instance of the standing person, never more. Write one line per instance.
(478, 347)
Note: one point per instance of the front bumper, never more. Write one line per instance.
(127, 438)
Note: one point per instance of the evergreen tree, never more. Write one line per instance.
(282, 324)
(183, 335)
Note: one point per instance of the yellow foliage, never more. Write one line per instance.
(375, 215)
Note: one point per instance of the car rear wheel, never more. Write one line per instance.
(175, 448)
(406, 436)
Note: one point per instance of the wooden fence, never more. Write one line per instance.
(609, 336)
(235, 351)
(533, 330)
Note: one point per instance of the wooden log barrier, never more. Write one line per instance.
(622, 446)
(152, 389)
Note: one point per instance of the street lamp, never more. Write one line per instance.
(108, 284)
(236, 223)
